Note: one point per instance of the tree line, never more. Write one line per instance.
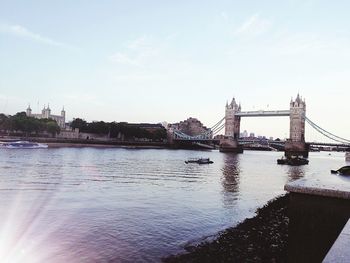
(20, 122)
(118, 129)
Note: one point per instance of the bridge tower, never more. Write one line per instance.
(297, 120)
(296, 144)
(232, 128)
(232, 122)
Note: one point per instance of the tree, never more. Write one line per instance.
(4, 122)
(99, 127)
(21, 122)
(80, 124)
(52, 127)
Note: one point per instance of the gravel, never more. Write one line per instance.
(263, 238)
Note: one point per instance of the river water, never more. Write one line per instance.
(131, 205)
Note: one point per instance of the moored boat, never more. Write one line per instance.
(22, 145)
(345, 170)
(293, 160)
(199, 160)
(283, 160)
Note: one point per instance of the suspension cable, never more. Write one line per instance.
(218, 129)
(327, 133)
(218, 123)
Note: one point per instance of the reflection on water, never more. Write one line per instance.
(230, 178)
(119, 205)
(295, 172)
(230, 172)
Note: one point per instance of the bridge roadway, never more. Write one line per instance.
(243, 141)
(329, 144)
(262, 113)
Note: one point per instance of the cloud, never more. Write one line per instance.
(254, 25)
(136, 52)
(22, 32)
(123, 58)
(295, 44)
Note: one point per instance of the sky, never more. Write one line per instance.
(155, 61)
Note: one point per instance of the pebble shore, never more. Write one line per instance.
(263, 238)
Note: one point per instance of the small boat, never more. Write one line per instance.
(293, 160)
(199, 160)
(283, 160)
(297, 160)
(22, 145)
(345, 170)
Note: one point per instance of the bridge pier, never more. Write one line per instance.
(228, 144)
(296, 149)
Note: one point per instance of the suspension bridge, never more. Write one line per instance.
(231, 124)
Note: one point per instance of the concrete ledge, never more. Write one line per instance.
(340, 251)
(318, 212)
(331, 186)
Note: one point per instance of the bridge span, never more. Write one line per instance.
(262, 113)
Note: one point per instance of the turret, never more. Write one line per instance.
(29, 111)
(43, 112)
(46, 112)
(299, 102)
(63, 121)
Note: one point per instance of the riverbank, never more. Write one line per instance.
(130, 144)
(262, 238)
(60, 142)
(98, 145)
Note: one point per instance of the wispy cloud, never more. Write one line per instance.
(22, 32)
(254, 25)
(136, 52)
(124, 58)
(295, 44)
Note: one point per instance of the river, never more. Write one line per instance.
(131, 205)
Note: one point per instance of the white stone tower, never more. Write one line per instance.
(45, 113)
(232, 122)
(63, 120)
(29, 111)
(297, 119)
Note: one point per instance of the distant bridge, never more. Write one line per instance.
(231, 123)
